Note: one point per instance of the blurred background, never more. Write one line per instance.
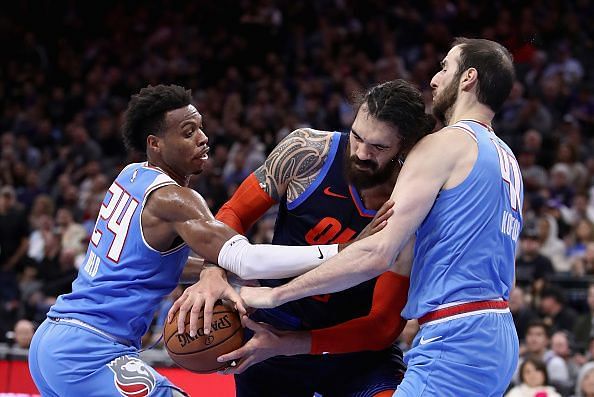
(258, 70)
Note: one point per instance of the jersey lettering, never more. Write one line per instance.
(118, 213)
(329, 230)
(510, 172)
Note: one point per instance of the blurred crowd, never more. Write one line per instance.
(260, 69)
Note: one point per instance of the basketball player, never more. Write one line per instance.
(329, 185)
(461, 191)
(148, 222)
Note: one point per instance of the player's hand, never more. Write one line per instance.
(267, 342)
(379, 221)
(258, 297)
(212, 286)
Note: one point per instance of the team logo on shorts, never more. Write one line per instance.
(132, 377)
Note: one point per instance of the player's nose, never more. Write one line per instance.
(434, 82)
(201, 139)
(363, 152)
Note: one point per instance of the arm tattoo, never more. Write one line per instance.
(294, 163)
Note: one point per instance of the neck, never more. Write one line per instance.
(182, 180)
(467, 107)
(375, 196)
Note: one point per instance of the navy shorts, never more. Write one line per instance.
(356, 374)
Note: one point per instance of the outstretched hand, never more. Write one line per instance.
(203, 295)
(267, 342)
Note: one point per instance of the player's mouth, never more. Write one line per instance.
(203, 155)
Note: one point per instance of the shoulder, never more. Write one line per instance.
(172, 201)
(296, 161)
(309, 136)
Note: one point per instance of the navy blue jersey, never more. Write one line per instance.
(329, 211)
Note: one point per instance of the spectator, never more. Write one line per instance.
(582, 235)
(14, 241)
(562, 346)
(551, 245)
(521, 312)
(532, 268)
(40, 238)
(73, 235)
(583, 265)
(583, 328)
(23, 333)
(585, 381)
(534, 381)
(537, 346)
(557, 315)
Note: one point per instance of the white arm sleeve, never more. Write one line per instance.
(266, 261)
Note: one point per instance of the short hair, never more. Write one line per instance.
(539, 365)
(399, 103)
(146, 111)
(553, 292)
(539, 324)
(495, 68)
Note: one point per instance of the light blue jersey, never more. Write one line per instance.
(122, 279)
(464, 258)
(466, 245)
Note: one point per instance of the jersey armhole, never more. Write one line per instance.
(159, 182)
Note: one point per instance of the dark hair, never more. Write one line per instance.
(495, 68)
(146, 113)
(400, 104)
(539, 324)
(539, 365)
(553, 292)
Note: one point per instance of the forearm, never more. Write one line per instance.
(266, 261)
(359, 262)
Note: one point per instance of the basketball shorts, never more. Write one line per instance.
(469, 356)
(69, 360)
(362, 374)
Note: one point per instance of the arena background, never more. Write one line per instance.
(258, 70)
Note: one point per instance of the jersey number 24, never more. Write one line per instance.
(118, 213)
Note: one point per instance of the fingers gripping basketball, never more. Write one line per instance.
(199, 353)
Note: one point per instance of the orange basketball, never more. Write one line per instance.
(199, 353)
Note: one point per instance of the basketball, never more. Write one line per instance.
(199, 353)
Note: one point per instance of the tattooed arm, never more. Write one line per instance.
(294, 163)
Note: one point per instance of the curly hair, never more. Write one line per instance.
(400, 104)
(146, 111)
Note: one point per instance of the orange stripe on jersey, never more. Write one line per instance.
(248, 204)
(375, 331)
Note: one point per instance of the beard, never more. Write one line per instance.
(444, 102)
(369, 174)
